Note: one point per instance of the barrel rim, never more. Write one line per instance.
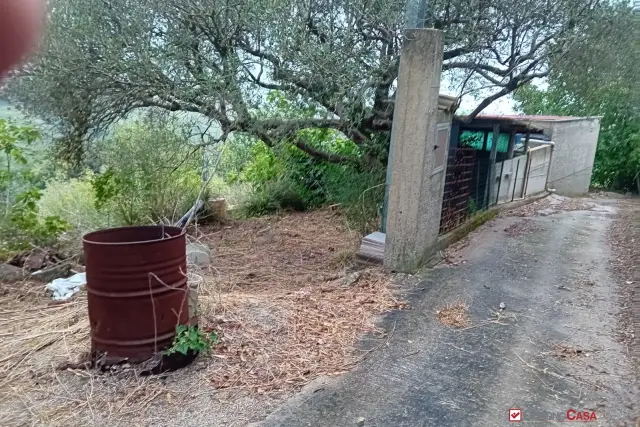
(86, 238)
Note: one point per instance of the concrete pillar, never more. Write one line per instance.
(512, 144)
(491, 178)
(415, 193)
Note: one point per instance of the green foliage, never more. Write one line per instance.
(12, 135)
(599, 79)
(14, 175)
(190, 339)
(21, 224)
(270, 197)
(153, 172)
(285, 177)
(360, 193)
(473, 207)
(264, 166)
(74, 200)
(106, 187)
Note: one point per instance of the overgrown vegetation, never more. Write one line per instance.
(20, 223)
(283, 114)
(151, 172)
(284, 177)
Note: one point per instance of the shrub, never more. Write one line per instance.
(191, 339)
(284, 177)
(273, 196)
(20, 224)
(153, 173)
(74, 201)
(359, 192)
(23, 227)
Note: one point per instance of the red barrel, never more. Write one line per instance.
(137, 290)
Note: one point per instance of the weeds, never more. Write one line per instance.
(191, 339)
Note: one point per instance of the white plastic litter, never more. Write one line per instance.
(63, 289)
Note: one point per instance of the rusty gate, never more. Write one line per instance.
(457, 188)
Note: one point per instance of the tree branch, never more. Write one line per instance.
(328, 157)
(511, 86)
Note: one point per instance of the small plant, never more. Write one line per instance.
(473, 207)
(271, 197)
(190, 339)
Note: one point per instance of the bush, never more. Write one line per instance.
(284, 177)
(21, 225)
(153, 172)
(74, 201)
(360, 193)
(271, 197)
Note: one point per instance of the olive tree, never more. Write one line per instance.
(336, 60)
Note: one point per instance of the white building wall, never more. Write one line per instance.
(539, 161)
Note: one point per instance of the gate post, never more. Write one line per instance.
(415, 192)
(491, 178)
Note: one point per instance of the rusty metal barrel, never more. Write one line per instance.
(137, 290)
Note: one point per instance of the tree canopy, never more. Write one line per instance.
(599, 78)
(335, 59)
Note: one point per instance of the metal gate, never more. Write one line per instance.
(457, 188)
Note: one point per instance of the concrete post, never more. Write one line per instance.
(413, 212)
(491, 178)
(512, 144)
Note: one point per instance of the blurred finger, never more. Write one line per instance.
(20, 22)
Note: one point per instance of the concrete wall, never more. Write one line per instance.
(415, 192)
(572, 163)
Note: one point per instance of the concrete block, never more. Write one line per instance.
(198, 254)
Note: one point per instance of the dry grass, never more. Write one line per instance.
(455, 314)
(285, 253)
(274, 293)
(277, 299)
(37, 338)
(278, 340)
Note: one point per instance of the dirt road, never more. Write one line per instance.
(554, 348)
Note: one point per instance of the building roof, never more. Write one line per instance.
(531, 118)
(447, 103)
(514, 122)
